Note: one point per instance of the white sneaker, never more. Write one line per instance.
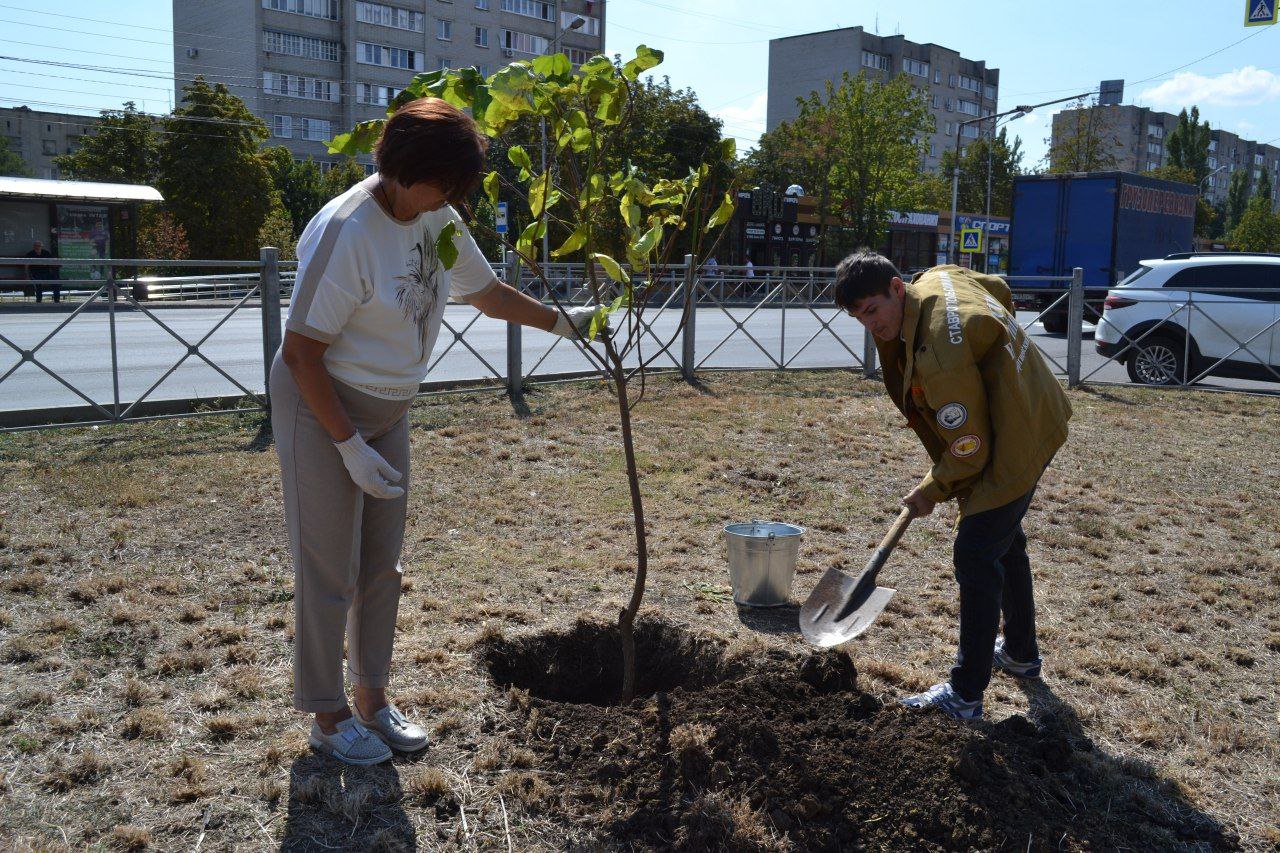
(352, 743)
(946, 699)
(395, 729)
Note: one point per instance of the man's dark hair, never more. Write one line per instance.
(430, 139)
(861, 275)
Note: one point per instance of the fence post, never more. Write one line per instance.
(515, 351)
(687, 352)
(868, 354)
(1075, 322)
(269, 290)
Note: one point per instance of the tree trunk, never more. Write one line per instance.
(627, 618)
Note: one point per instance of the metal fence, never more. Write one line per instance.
(762, 318)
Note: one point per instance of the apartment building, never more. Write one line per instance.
(37, 137)
(314, 68)
(957, 89)
(1135, 138)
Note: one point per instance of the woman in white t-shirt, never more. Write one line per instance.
(366, 308)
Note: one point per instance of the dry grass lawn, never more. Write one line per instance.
(145, 618)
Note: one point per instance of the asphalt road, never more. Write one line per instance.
(80, 353)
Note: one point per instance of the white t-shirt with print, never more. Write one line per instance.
(373, 288)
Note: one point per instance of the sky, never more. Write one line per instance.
(1170, 54)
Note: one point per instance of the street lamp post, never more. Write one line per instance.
(575, 24)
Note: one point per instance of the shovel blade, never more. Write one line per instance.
(840, 608)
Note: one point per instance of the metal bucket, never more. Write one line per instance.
(762, 561)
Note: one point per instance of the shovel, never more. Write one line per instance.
(842, 607)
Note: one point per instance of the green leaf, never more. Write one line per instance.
(527, 244)
(358, 141)
(646, 58)
(596, 65)
(612, 268)
(538, 203)
(576, 241)
(599, 322)
(642, 247)
(630, 211)
(728, 149)
(491, 188)
(445, 247)
(519, 157)
(722, 214)
(555, 66)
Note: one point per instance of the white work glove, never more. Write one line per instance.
(578, 318)
(368, 469)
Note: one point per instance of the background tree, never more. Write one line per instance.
(1088, 140)
(11, 163)
(124, 148)
(277, 230)
(342, 176)
(856, 150)
(1188, 145)
(299, 184)
(1206, 214)
(1237, 199)
(1006, 164)
(1258, 229)
(211, 175)
(1263, 188)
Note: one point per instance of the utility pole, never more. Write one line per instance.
(576, 23)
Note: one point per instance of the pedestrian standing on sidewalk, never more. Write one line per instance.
(367, 305)
(40, 274)
(991, 415)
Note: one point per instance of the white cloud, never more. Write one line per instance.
(1243, 87)
(744, 122)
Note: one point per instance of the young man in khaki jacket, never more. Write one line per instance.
(976, 391)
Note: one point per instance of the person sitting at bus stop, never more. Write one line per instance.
(991, 415)
(367, 306)
(39, 274)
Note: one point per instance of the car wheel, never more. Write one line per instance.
(1055, 324)
(1157, 361)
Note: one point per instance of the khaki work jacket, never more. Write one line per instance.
(974, 388)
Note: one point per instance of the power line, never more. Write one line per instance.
(167, 30)
(666, 37)
(81, 32)
(736, 22)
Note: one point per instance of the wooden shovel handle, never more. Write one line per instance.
(889, 542)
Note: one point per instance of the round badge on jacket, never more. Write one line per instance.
(965, 446)
(952, 416)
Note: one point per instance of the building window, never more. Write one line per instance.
(483, 5)
(282, 126)
(1257, 159)
(389, 57)
(916, 67)
(969, 108)
(989, 92)
(937, 76)
(327, 9)
(969, 131)
(1213, 162)
(1154, 148)
(951, 80)
(389, 16)
(937, 102)
(274, 41)
(1213, 145)
(875, 60)
(296, 86)
(951, 106)
(523, 42)
(1257, 174)
(530, 9)
(971, 84)
(444, 29)
(442, 63)
(933, 150)
(484, 69)
(49, 147)
(482, 36)
(316, 129)
(949, 130)
(1156, 130)
(578, 56)
(1213, 181)
(376, 94)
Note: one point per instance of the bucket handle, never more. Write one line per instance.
(759, 521)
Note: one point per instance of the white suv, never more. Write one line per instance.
(1194, 314)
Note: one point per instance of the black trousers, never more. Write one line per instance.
(54, 285)
(994, 575)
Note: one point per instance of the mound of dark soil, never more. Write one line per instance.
(781, 752)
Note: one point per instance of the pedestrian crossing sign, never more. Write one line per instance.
(971, 240)
(1259, 13)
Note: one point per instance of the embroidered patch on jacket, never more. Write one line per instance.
(965, 446)
(952, 416)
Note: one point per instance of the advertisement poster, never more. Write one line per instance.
(82, 233)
